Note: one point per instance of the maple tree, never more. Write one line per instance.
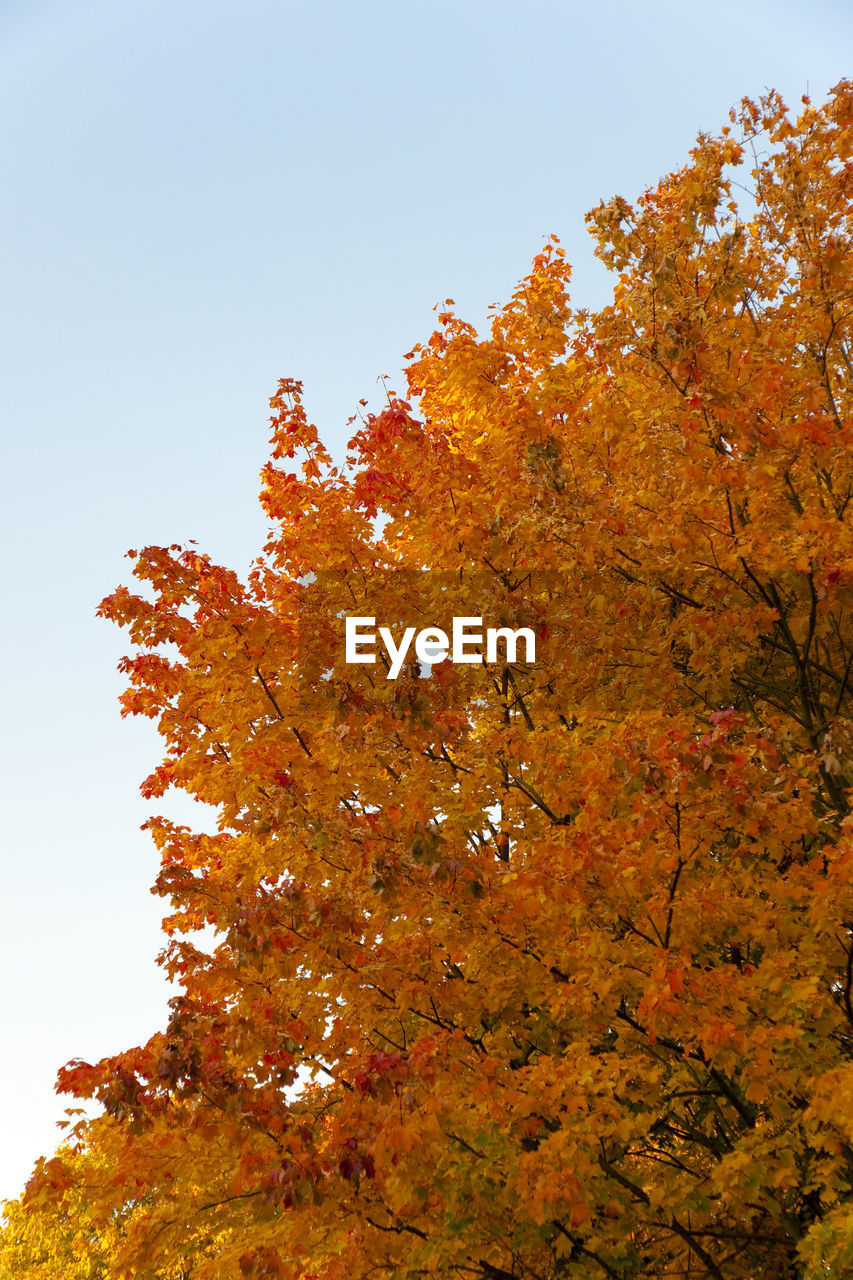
(522, 969)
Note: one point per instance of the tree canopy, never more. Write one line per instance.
(521, 969)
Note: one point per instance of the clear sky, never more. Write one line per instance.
(198, 198)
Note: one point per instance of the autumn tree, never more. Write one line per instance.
(523, 969)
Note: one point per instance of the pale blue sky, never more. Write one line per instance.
(198, 199)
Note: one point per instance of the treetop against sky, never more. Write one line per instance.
(204, 197)
(538, 966)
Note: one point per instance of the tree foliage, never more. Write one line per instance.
(529, 969)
